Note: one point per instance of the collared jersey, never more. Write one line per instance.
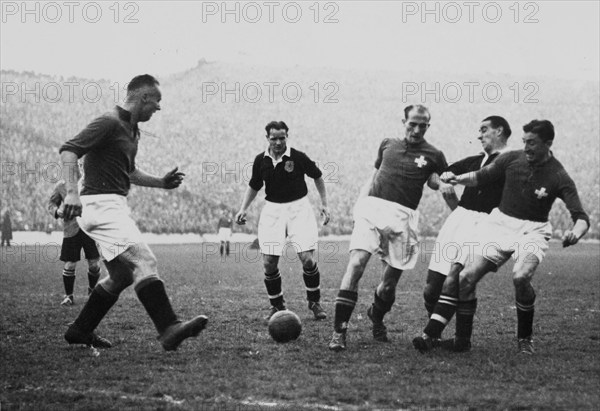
(110, 144)
(530, 190)
(283, 182)
(481, 198)
(70, 227)
(403, 169)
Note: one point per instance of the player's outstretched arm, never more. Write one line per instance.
(435, 183)
(249, 196)
(320, 184)
(572, 236)
(72, 203)
(468, 179)
(172, 179)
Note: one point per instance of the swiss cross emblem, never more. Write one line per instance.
(541, 193)
(420, 161)
(289, 166)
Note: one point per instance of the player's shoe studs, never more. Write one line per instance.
(176, 333)
(526, 346)
(379, 328)
(74, 336)
(425, 343)
(317, 310)
(67, 301)
(338, 341)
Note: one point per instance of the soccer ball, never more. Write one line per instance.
(285, 326)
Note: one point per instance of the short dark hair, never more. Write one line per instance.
(497, 121)
(141, 81)
(277, 125)
(419, 107)
(543, 128)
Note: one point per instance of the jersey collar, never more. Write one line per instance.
(288, 154)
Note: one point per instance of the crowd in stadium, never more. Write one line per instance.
(213, 139)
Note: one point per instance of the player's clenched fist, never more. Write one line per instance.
(173, 178)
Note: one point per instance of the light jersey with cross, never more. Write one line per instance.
(541, 193)
(421, 161)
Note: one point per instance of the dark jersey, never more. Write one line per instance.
(285, 181)
(403, 169)
(530, 190)
(482, 198)
(225, 222)
(110, 144)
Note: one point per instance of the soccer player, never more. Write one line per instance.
(287, 214)
(385, 220)
(110, 144)
(224, 227)
(519, 227)
(73, 241)
(452, 243)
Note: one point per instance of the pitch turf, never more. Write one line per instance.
(234, 365)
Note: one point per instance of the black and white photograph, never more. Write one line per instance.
(300, 205)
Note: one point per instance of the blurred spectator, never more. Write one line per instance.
(6, 227)
(212, 145)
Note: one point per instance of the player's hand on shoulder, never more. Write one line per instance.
(240, 218)
(173, 179)
(569, 238)
(325, 214)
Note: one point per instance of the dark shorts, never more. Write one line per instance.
(71, 247)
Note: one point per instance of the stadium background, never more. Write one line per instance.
(213, 137)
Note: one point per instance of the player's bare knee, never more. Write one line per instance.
(307, 259)
(466, 284)
(270, 263)
(94, 264)
(70, 265)
(521, 280)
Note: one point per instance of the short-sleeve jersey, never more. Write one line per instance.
(110, 144)
(283, 182)
(403, 169)
(530, 189)
(481, 198)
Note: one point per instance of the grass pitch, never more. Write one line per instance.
(234, 364)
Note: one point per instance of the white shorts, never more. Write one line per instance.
(457, 241)
(388, 229)
(503, 236)
(224, 233)
(106, 219)
(294, 221)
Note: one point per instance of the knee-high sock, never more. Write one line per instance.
(94, 310)
(381, 307)
(93, 276)
(273, 284)
(344, 306)
(312, 280)
(442, 314)
(151, 292)
(525, 311)
(69, 281)
(465, 315)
